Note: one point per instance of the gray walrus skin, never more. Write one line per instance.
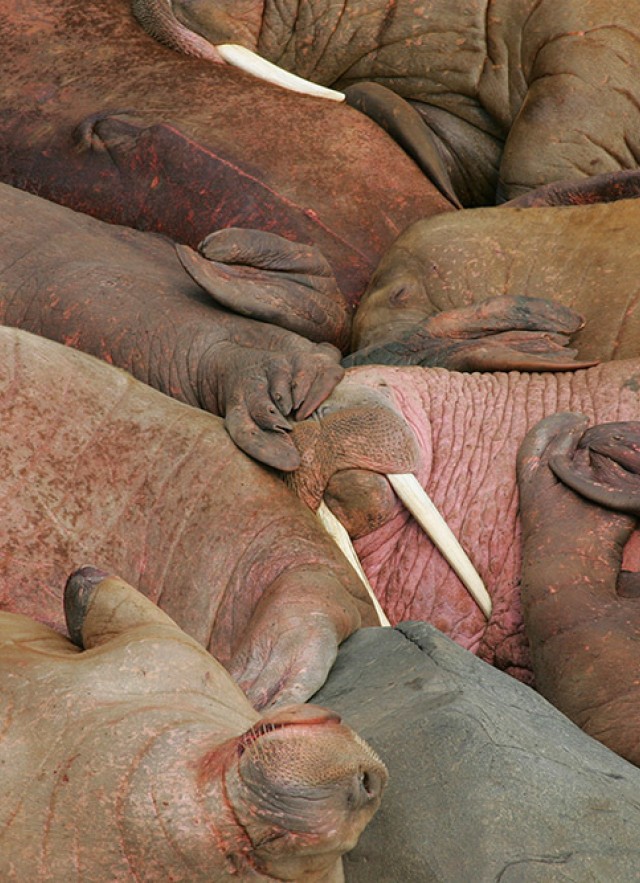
(132, 755)
(514, 94)
(97, 467)
(487, 781)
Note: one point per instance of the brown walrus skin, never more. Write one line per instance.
(123, 296)
(131, 754)
(96, 115)
(580, 500)
(582, 257)
(512, 94)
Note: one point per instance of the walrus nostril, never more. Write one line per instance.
(367, 787)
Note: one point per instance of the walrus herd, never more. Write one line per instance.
(268, 273)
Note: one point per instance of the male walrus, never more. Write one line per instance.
(512, 94)
(98, 116)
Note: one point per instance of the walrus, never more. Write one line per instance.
(129, 753)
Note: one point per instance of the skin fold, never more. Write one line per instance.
(468, 429)
(580, 604)
(98, 116)
(584, 257)
(131, 754)
(123, 296)
(99, 467)
(514, 94)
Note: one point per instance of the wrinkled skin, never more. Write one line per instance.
(513, 93)
(469, 428)
(96, 115)
(585, 257)
(608, 187)
(97, 467)
(123, 296)
(131, 754)
(580, 605)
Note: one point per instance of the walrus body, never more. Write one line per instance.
(96, 115)
(131, 754)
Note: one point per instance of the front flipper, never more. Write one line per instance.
(581, 612)
(605, 467)
(608, 187)
(270, 278)
(260, 386)
(292, 639)
(500, 334)
(405, 125)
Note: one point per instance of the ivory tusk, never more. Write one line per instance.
(415, 498)
(336, 530)
(246, 60)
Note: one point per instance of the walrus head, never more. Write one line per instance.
(299, 787)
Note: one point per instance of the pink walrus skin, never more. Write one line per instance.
(469, 428)
(97, 467)
(131, 754)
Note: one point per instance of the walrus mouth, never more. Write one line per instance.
(247, 739)
(248, 61)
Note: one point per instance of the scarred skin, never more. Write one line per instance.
(131, 754)
(514, 93)
(580, 604)
(123, 296)
(96, 115)
(468, 428)
(98, 467)
(585, 257)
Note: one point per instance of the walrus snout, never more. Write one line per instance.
(303, 786)
(314, 767)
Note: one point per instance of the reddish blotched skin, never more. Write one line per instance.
(97, 467)
(132, 755)
(580, 605)
(123, 296)
(200, 147)
(468, 428)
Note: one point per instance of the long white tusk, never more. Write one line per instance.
(246, 60)
(415, 498)
(336, 530)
